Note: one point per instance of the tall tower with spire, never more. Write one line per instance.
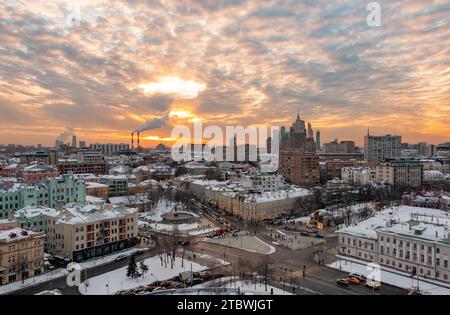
(298, 134)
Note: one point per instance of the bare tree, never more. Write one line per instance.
(265, 269)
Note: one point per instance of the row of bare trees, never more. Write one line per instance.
(167, 245)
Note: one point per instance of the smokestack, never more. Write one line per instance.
(132, 140)
(138, 141)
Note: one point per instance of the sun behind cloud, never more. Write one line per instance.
(175, 86)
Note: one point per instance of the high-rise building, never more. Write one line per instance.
(298, 137)
(318, 140)
(298, 134)
(74, 141)
(300, 168)
(382, 148)
(82, 144)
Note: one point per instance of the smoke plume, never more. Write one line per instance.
(155, 123)
(64, 137)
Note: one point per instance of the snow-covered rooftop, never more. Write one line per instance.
(91, 213)
(15, 234)
(31, 212)
(92, 185)
(424, 223)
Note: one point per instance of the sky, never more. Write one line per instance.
(101, 68)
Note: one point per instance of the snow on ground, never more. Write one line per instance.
(202, 231)
(393, 278)
(107, 259)
(116, 280)
(11, 287)
(169, 227)
(256, 288)
(163, 207)
(270, 248)
(155, 215)
(217, 260)
(246, 287)
(244, 242)
(280, 232)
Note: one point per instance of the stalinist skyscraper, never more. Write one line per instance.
(298, 134)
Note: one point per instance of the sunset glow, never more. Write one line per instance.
(226, 62)
(185, 89)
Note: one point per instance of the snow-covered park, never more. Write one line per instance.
(116, 280)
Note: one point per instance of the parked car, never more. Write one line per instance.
(343, 282)
(357, 276)
(354, 280)
(120, 257)
(373, 285)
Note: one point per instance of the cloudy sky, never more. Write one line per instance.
(104, 68)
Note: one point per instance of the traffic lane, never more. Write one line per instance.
(386, 289)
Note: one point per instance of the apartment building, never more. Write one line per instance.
(412, 240)
(34, 218)
(358, 175)
(299, 168)
(82, 232)
(238, 201)
(110, 148)
(52, 193)
(117, 184)
(35, 173)
(403, 172)
(382, 148)
(21, 254)
(73, 166)
(262, 182)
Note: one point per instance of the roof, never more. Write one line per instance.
(415, 222)
(91, 185)
(32, 212)
(16, 234)
(91, 213)
(39, 168)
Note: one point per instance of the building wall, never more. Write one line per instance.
(25, 256)
(381, 148)
(300, 168)
(410, 255)
(358, 247)
(82, 241)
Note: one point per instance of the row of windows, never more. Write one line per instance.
(410, 269)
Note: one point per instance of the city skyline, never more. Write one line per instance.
(103, 69)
